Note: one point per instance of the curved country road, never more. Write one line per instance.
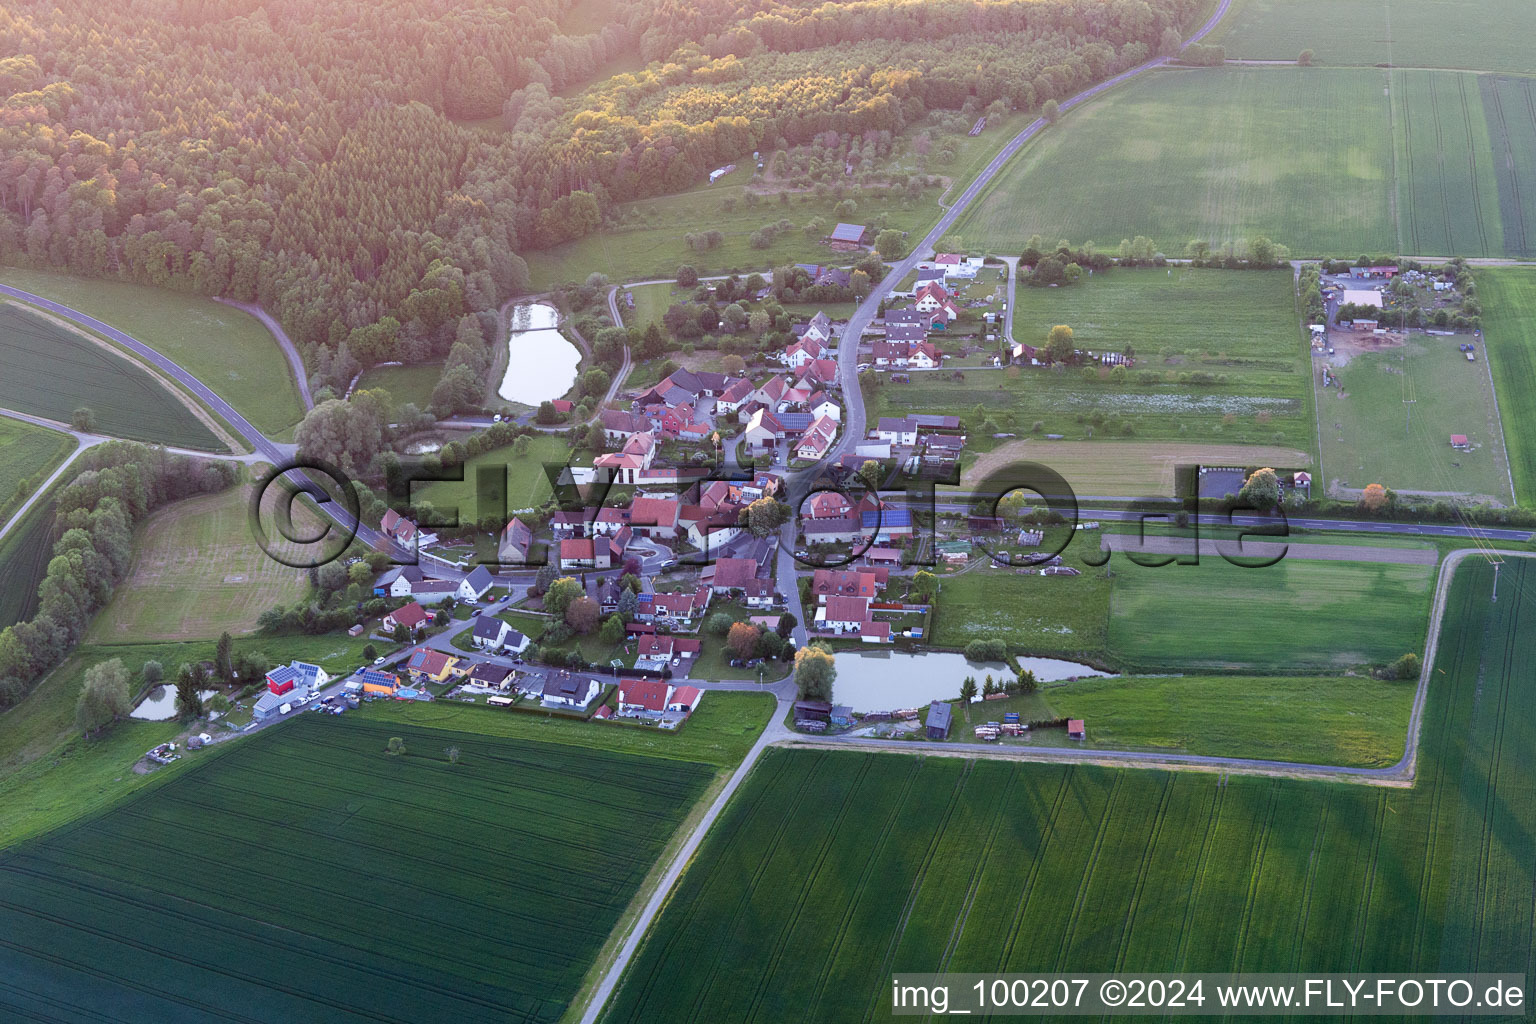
(290, 350)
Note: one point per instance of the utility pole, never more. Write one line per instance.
(1496, 567)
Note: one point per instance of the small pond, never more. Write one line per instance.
(541, 363)
(888, 680)
(160, 705)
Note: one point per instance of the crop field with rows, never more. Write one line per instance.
(831, 871)
(306, 875)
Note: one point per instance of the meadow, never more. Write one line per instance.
(1407, 33)
(527, 483)
(1058, 615)
(1370, 436)
(414, 887)
(198, 571)
(1509, 336)
(412, 383)
(650, 241)
(1219, 154)
(52, 371)
(1346, 720)
(229, 350)
(27, 455)
(829, 871)
(1238, 328)
(1294, 616)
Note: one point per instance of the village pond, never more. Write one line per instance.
(160, 705)
(889, 680)
(541, 363)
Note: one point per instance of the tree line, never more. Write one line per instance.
(116, 486)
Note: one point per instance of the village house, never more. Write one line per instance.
(475, 584)
(758, 594)
(844, 530)
(932, 298)
(817, 438)
(430, 591)
(818, 330)
(763, 433)
(412, 616)
(655, 652)
(399, 581)
(807, 349)
(590, 553)
(566, 689)
(402, 530)
(427, 664)
(675, 609)
(378, 682)
(490, 674)
(655, 517)
(886, 525)
(734, 396)
(516, 543)
(643, 698)
(842, 614)
(865, 583)
(492, 634)
(630, 461)
(902, 431)
(729, 574)
(827, 505)
(618, 425)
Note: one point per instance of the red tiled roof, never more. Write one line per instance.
(650, 694)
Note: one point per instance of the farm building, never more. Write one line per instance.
(1460, 443)
(847, 235)
(1076, 730)
(938, 720)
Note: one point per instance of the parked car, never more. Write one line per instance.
(378, 661)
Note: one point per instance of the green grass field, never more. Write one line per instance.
(1370, 436)
(527, 483)
(1510, 108)
(1448, 196)
(1238, 324)
(404, 383)
(27, 455)
(197, 572)
(1060, 615)
(225, 348)
(1344, 720)
(1239, 328)
(1303, 156)
(1292, 616)
(51, 372)
(830, 872)
(1408, 33)
(1509, 333)
(409, 888)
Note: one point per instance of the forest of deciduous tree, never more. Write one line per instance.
(311, 154)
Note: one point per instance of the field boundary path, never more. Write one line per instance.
(773, 733)
(1162, 545)
(290, 350)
